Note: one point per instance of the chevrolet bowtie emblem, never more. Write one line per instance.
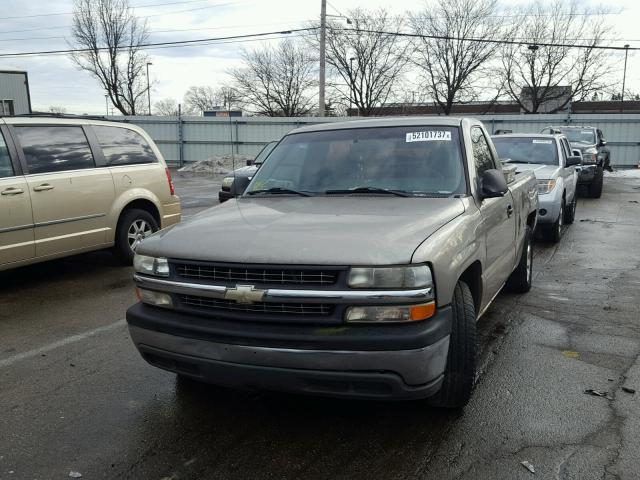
(244, 294)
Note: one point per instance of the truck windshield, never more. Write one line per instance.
(527, 150)
(404, 161)
(578, 135)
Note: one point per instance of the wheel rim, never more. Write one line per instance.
(138, 231)
(529, 262)
(560, 219)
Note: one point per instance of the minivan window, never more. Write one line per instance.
(54, 148)
(122, 146)
(527, 149)
(414, 161)
(6, 169)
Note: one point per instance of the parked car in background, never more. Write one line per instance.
(226, 192)
(69, 186)
(596, 157)
(356, 264)
(550, 158)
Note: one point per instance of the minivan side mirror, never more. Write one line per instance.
(239, 185)
(573, 160)
(493, 184)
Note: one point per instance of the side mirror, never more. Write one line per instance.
(250, 162)
(573, 160)
(603, 143)
(493, 184)
(239, 185)
(576, 153)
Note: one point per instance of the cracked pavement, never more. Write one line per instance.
(75, 394)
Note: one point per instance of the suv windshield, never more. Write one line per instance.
(398, 160)
(578, 135)
(527, 150)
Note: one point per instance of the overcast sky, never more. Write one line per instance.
(30, 25)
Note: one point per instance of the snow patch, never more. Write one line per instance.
(628, 173)
(217, 164)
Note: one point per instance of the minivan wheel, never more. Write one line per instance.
(133, 227)
(461, 359)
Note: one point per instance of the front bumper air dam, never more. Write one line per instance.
(349, 373)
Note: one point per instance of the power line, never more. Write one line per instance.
(148, 5)
(158, 44)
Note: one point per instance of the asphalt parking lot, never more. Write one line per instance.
(75, 396)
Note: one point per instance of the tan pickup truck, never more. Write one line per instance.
(69, 186)
(355, 264)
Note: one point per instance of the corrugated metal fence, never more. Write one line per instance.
(188, 139)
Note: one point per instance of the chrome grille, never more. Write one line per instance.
(271, 275)
(219, 305)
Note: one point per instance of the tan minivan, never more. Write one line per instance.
(74, 185)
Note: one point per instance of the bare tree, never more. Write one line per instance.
(276, 81)
(166, 107)
(451, 67)
(367, 60)
(110, 38)
(543, 77)
(201, 99)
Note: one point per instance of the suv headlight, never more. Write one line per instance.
(157, 267)
(411, 276)
(227, 182)
(546, 186)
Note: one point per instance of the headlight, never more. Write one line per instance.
(157, 299)
(158, 267)
(391, 314)
(545, 186)
(590, 155)
(413, 276)
(227, 182)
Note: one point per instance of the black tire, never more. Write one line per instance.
(128, 224)
(461, 359)
(570, 213)
(554, 232)
(595, 189)
(521, 278)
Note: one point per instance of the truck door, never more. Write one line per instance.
(498, 224)
(569, 174)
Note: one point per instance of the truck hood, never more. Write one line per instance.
(247, 171)
(582, 146)
(313, 231)
(542, 172)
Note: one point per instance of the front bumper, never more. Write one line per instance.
(587, 174)
(549, 207)
(379, 362)
(224, 195)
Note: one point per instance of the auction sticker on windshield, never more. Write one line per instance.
(429, 136)
(546, 142)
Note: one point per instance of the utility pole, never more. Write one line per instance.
(106, 102)
(323, 54)
(149, 88)
(624, 76)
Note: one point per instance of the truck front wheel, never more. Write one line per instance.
(461, 360)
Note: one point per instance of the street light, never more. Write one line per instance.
(624, 76)
(351, 86)
(148, 87)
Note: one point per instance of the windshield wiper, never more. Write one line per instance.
(386, 191)
(279, 191)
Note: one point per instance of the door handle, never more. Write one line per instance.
(509, 211)
(43, 188)
(12, 191)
